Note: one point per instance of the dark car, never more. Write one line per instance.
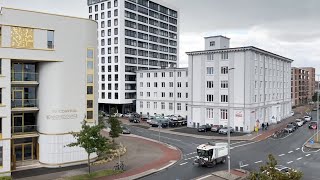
(216, 128)
(125, 130)
(204, 128)
(313, 123)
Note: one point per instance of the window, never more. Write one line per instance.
(186, 107)
(89, 89)
(210, 113)
(170, 106)
(148, 84)
(115, 12)
(148, 94)
(109, 95)
(96, 17)
(212, 43)
(1, 154)
(179, 95)
(171, 74)
(179, 74)
(209, 97)
(102, 15)
(148, 105)
(50, 39)
(89, 80)
(141, 75)
(224, 84)
(155, 105)
(0, 95)
(163, 84)
(171, 94)
(89, 114)
(155, 84)
(102, 6)
(109, 5)
(224, 98)
(148, 75)
(141, 104)
(224, 70)
(210, 57)
(103, 95)
(109, 86)
(155, 74)
(186, 95)
(209, 84)
(170, 84)
(163, 74)
(179, 106)
(90, 9)
(210, 70)
(96, 8)
(115, 31)
(116, 22)
(163, 106)
(224, 113)
(115, 3)
(186, 84)
(163, 94)
(116, 96)
(224, 55)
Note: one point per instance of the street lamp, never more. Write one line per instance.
(229, 161)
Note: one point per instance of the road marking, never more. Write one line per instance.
(258, 162)
(190, 158)
(290, 152)
(289, 162)
(245, 165)
(204, 177)
(170, 164)
(183, 163)
(281, 155)
(190, 153)
(299, 158)
(237, 142)
(297, 149)
(243, 145)
(308, 155)
(164, 137)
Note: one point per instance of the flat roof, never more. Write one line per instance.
(216, 36)
(165, 69)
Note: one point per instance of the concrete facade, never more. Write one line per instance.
(245, 85)
(48, 87)
(163, 91)
(299, 86)
(133, 35)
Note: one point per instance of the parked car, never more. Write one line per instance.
(307, 118)
(127, 115)
(290, 128)
(292, 113)
(299, 122)
(216, 128)
(280, 168)
(313, 123)
(136, 120)
(204, 128)
(176, 117)
(295, 125)
(224, 130)
(125, 130)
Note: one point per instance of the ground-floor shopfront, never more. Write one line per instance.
(24, 151)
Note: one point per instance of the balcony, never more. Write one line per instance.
(24, 78)
(18, 105)
(24, 129)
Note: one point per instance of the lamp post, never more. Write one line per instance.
(318, 110)
(229, 160)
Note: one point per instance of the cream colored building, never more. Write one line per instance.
(47, 87)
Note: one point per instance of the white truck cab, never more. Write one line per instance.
(211, 154)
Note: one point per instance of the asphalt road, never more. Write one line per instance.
(288, 151)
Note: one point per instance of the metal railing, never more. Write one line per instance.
(24, 129)
(24, 76)
(21, 103)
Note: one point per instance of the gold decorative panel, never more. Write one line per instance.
(21, 37)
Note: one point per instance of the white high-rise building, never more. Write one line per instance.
(132, 35)
(245, 85)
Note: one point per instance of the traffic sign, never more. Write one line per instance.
(311, 141)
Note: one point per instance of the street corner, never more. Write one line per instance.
(235, 174)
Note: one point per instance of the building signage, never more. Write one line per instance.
(63, 114)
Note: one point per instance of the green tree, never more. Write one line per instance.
(314, 97)
(268, 172)
(115, 125)
(91, 140)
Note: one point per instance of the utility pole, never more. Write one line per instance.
(229, 118)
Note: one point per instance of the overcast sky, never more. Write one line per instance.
(289, 28)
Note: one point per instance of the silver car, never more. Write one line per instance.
(224, 130)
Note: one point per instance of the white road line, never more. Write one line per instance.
(281, 155)
(183, 163)
(308, 155)
(190, 153)
(245, 165)
(297, 149)
(243, 144)
(237, 142)
(190, 158)
(289, 162)
(290, 152)
(299, 158)
(204, 177)
(258, 162)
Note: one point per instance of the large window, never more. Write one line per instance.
(224, 114)
(224, 70)
(209, 97)
(224, 98)
(50, 39)
(210, 113)
(210, 70)
(0, 95)
(224, 84)
(209, 84)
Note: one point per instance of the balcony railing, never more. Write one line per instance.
(24, 76)
(24, 129)
(22, 103)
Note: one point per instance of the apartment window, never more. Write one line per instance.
(171, 74)
(224, 84)
(179, 84)
(141, 84)
(163, 84)
(96, 8)
(89, 80)
(148, 105)
(186, 95)
(50, 39)
(179, 95)
(116, 96)
(224, 55)
(89, 89)
(210, 113)
(186, 107)
(109, 86)
(148, 84)
(210, 70)
(209, 84)
(224, 70)
(163, 94)
(163, 105)
(212, 43)
(90, 16)
(102, 6)
(116, 68)
(0, 95)
(102, 15)
(109, 5)
(115, 12)
(155, 74)
(103, 95)
(148, 94)
(141, 94)
(148, 75)
(155, 105)
(186, 84)
(109, 14)
(116, 59)
(170, 84)
(179, 74)
(179, 106)
(141, 75)
(224, 113)
(210, 57)
(115, 31)
(163, 74)
(224, 98)
(155, 84)
(170, 106)
(102, 33)
(96, 17)
(171, 94)
(90, 9)
(116, 22)
(209, 97)
(141, 104)
(109, 95)
(115, 3)
(103, 86)
(116, 50)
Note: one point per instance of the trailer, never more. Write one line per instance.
(210, 154)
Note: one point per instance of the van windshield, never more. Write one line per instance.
(204, 153)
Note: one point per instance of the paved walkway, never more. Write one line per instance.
(143, 157)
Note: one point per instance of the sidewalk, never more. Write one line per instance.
(143, 157)
(235, 174)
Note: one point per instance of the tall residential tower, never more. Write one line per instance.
(132, 35)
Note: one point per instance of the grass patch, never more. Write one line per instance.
(5, 178)
(94, 175)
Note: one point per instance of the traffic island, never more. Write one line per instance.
(314, 145)
(235, 174)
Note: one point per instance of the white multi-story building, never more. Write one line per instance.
(47, 87)
(163, 91)
(245, 85)
(132, 35)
